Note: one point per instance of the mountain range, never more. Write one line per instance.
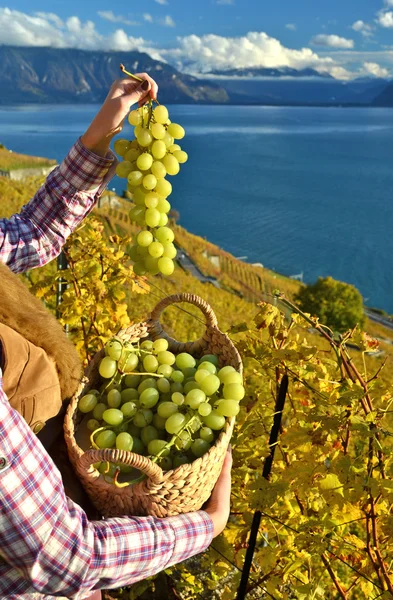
(66, 75)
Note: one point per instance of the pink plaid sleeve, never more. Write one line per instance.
(48, 546)
(36, 235)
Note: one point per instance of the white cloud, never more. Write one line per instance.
(388, 2)
(162, 2)
(385, 19)
(108, 15)
(364, 28)
(167, 21)
(332, 41)
(148, 17)
(291, 26)
(375, 69)
(51, 17)
(256, 49)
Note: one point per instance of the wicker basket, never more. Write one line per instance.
(161, 494)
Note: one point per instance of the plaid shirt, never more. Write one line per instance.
(48, 547)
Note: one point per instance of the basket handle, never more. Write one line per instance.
(151, 469)
(157, 330)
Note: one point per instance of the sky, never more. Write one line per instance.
(346, 38)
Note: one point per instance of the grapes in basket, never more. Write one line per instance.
(146, 161)
(169, 407)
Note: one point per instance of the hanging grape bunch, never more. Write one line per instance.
(151, 402)
(147, 160)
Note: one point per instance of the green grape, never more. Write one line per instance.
(149, 382)
(148, 434)
(174, 148)
(151, 265)
(133, 430)
(156, 249)
(156, 446)
(92, 424)
(114, 398)
(113, 416)
(152, 217)
(168, 139)
(179, 459)
(158, 149)
(137, 215)
(205, 433)
(205, 409)
(144, 137)
(191, 385)
(164, 235)
(149, 181)
(166, 358)
(151, 200)
(181, 156)
(158, 130)
(99, 410)
(87, 403)
(107, 367)
(163, 205)
(113, 349)
(95, 392)
(163, 385)
(177, 376)
(169, 251)
(144, 238)
(124, 441)
(195, 422)
(177, 398)
(212, 358)
(135, 178)
(132, 154)
(233, 391)
(163, 220)
(174, 423)
(176, 387)
(161, 114)
(147, 345)
(150, 363)
(135, 118)
(123, 169)
(232, 377)
(166, 409)
(210, 385)
(222, 372)
(176, 131)
(105, 439)
(199, 447)
(189, 372)
(142, 251)
(165, 463)
(208, 366)
(183, 441)
(158, 169)
(143, 417)
(160, 345)
(132, 253)
(149, 398)
(159, 422)
(171, 164)
(165, 370)
(228, 408)
(163, 187)
(107, 469)
(130, 364)
(144, 161)
(194, 398)
(121, 146)
(139, 195)
(185, 361)
(139, 268)
(129, 409)
(214, 421)
(132, 381)
(138, 447)
(201, 374)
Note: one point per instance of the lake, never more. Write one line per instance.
(300, 190)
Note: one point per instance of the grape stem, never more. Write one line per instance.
(123, 70)
(174, 438)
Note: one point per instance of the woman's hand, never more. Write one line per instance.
(110, 118)
(218, 505)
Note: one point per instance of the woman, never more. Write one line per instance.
(48, 546)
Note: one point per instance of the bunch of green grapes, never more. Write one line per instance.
(147, 160)
(151, 402)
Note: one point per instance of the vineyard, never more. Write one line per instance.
(327, 507)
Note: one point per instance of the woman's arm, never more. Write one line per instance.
(36, 235)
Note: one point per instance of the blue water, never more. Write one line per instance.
(298, 189)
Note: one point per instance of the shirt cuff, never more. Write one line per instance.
(85, 171)
(193, 534)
